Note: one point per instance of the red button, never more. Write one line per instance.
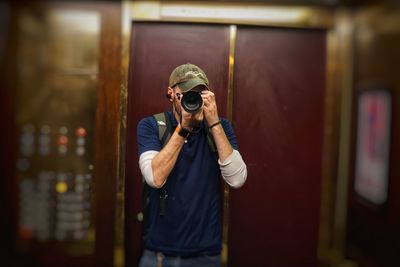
(62, 140)
(80, 132)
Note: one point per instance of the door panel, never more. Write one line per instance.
(278, 111)
(156, 48)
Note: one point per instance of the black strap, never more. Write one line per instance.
(169, 130)
(163, 194)
(145, 209)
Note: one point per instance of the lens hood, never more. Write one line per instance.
(192, 101)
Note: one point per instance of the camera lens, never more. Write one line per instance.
(192, 101)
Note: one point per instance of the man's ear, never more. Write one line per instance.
(169, 93)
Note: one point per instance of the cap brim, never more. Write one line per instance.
(192, 83)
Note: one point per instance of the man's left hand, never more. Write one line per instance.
(210, 107)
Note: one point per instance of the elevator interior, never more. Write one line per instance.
(77, 77)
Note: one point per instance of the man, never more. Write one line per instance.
(184, 210)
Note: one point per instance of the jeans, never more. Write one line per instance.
(153, 259)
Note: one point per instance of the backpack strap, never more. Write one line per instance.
(164, 127)
(164, 133)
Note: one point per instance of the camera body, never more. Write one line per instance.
(192, 101)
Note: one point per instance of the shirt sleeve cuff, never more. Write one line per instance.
(233, 170)
(145, 166)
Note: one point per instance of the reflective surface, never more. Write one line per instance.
(57, 68)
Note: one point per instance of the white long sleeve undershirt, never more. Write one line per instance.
(233, 169)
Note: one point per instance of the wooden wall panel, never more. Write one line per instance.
(107, 131)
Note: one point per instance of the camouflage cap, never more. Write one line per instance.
(187, 77)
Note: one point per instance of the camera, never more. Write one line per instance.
(192, 101)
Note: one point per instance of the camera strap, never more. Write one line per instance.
(210, 138)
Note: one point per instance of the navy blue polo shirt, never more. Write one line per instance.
(191, 224)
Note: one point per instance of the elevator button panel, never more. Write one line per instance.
(54, 203)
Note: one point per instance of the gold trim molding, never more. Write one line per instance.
(225, 222)
(231, 13)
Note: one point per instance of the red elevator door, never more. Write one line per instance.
(156, 49)
(279, 86)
